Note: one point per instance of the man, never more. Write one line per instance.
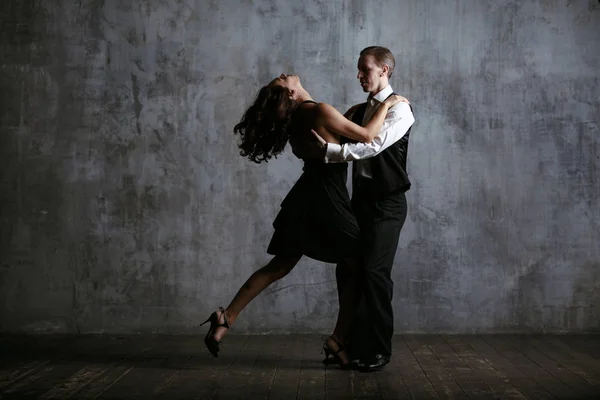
(379, 184)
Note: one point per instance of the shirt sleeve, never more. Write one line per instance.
(397, 122)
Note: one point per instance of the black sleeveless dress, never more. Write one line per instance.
(316, 218)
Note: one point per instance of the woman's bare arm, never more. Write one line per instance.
(332, 120)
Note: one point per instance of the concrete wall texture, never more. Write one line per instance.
(126, 207)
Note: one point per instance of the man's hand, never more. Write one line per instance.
(312, 147)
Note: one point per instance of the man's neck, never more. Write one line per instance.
(382, 94)
(379, 89)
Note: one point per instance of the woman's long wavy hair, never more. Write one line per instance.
(264, 126)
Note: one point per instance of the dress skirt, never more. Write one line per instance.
(316, 218)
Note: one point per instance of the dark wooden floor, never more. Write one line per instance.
(289, 367)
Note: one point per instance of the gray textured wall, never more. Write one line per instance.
(125, 206)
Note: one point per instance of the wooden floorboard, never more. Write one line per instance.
(574, 382)
(311, 384)
(290, 367)
(529, 368)
(579, 364)
(392, 384)
(417, 382)
(441, 379)
(493, 369)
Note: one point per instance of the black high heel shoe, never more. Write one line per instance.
(335, 354)
(211, 343)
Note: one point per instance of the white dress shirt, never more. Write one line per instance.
(398, 120)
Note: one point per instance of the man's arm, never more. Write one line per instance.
(397, 122)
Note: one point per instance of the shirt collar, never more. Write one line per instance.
(382, 95)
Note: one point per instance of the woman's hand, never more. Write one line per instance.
(395, 99)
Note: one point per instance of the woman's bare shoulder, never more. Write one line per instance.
(326, 109)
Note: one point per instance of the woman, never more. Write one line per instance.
(316, 218)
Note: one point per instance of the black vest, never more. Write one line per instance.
(388, 168)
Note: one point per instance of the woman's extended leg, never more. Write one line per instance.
(276, 269)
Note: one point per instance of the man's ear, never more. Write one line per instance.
(385, 69)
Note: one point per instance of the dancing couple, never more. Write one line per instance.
(318, 219)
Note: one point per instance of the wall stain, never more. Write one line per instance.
(137, 105)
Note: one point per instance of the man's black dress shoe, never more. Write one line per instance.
(372, 364)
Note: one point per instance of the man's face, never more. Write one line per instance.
(370, 74)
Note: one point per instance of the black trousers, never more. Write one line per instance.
(380, 220)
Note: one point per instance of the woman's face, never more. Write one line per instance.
(288, 86)
(289, 82)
